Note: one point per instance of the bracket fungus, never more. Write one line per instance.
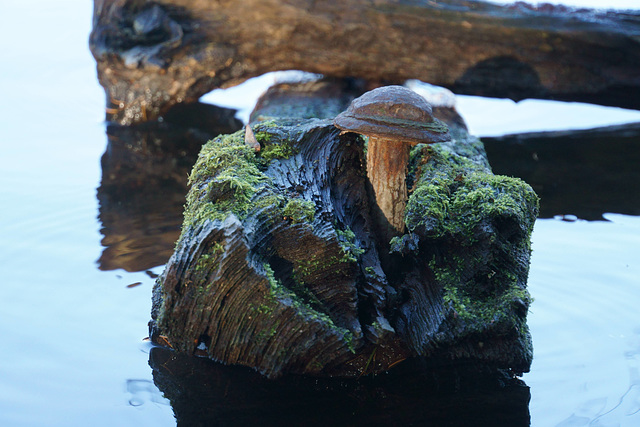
(394, 119)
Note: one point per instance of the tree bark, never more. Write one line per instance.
(153, 55)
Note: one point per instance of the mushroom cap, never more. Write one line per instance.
(393, 112)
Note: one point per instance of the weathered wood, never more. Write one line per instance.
(278, 267)
(152, 55)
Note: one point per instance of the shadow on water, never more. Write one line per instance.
(585, 173)
(144, 183)
(204, 393)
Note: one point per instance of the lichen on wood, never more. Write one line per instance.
(278, 267)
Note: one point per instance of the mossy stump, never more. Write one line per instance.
(277, 267)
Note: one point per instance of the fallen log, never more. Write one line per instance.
(279, 266)
(153, 55)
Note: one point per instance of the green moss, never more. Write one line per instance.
(480, 301)
(309, 267)
(262, 308)
(304, 268)
(223, 181)
(267, 333)
(348, 339)
(350, 248)
(271, 200)
(210, 261)
(227, 179)
(274, 144)
(277, 151)
(479, 226)
(304, 308)
(299, 210)
(453, 195)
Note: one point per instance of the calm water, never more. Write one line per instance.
(82, 230)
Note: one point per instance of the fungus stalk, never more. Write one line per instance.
(387, 161)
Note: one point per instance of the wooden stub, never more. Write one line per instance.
(279, 268)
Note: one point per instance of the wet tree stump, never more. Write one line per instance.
(277, 267)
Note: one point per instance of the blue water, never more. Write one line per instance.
(585, 277)
(71, 336)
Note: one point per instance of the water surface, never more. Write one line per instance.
(79, 251)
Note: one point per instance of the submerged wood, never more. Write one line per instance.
(278, 267)
(152, 55)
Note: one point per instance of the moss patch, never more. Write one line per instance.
(298, 210)
(210, 261)
(350, 248)
(487, 297)
(305, 308)
(455, 197)
(223, 181)
(478, 227)
(274, 144)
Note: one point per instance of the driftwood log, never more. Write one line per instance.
(277, 267)
(152, 55)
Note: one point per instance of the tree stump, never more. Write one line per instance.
(277, 267)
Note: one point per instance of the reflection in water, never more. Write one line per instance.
(206, 393)
(585, 173)
(144, 183)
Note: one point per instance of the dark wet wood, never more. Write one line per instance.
(203, 393)
(151, 56)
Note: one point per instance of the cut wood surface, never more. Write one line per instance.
(153, 55)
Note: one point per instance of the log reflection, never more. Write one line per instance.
(203, 392)
(144, 183)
